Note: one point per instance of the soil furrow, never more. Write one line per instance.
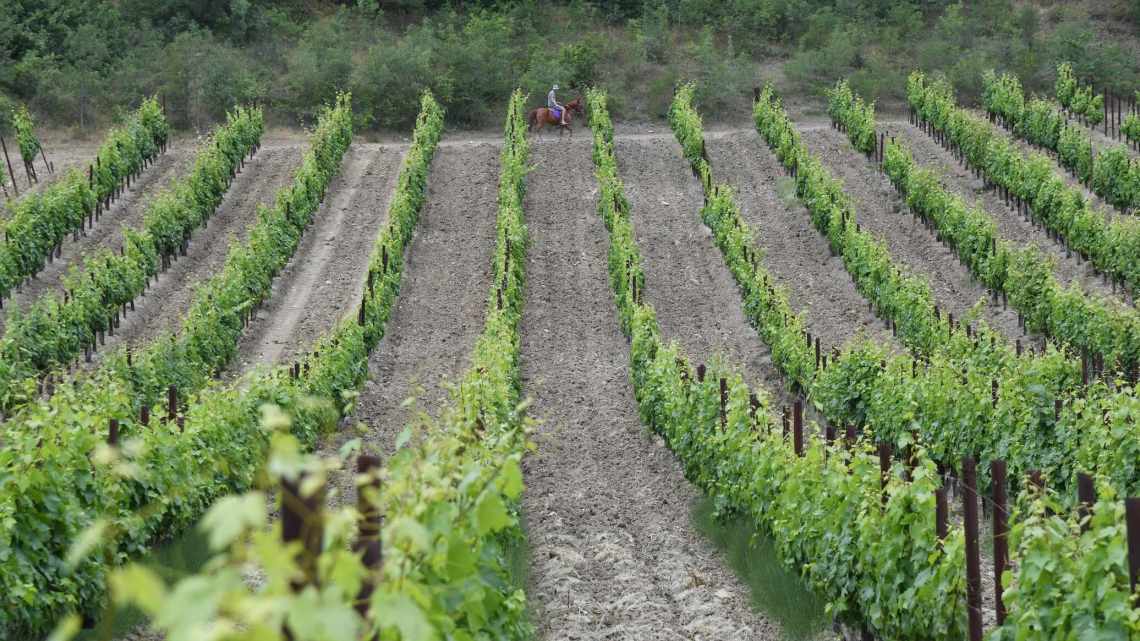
(882, 212)
(324, 279)
(161, 308)
(794, 252)
(107, 232)
(614, 554)
(443, 295)
(686, 279)
(1011, 226)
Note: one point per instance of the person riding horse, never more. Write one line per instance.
(554, 114)
(552, 103)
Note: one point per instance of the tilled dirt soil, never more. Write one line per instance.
(443, 294)
(161, 308)
(107, 231)
(686, 279)
(882, 212)
(1010, 224)
(64, 152)
(613, 552)
(795, 253)
(324, 279)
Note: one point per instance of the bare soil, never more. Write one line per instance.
(62, 150)
(326, 275)
(443, 294)
(614, 554)
(881, 211)
(1011, 226)
(107, 230)
(160, 310)
(686, 279)
(796, 255)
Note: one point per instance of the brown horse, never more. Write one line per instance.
(538, 119)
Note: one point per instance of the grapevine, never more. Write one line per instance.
(54, 329)
(810, 504)
(1023, 273)
(37, 223)
(1113, 246)
(1110, 175)
(25, 134)
(448, 496)
(54, 487)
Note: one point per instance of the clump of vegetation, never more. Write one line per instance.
(290, 56)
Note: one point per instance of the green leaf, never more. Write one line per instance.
(323, 615)
(400, 612)
(408, 533)
(138, 586)
(231, 516)
(512, 480)
(491, 515)
(88, 540)
(67, 628)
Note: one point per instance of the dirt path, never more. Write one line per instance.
(443, 294)
(794, 252)
(324, 279)
(614, 554)
(686, 279)
(107, 232)
(882, 212)
(161, 308)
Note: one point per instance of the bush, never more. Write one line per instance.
(389, 81)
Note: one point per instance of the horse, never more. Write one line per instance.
(538, 119)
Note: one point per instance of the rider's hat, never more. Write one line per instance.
(555, 87)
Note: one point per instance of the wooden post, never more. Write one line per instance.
(367, 542)
(302, 521)
(113, 432)
(798, 427)
(884, 468)
(1132, 522)
(973, 563)
(144, 415)
(701, 373)
(723, 402)
(4, 146)
(1086, 498)
(171, 403)
(941, 513)
(1001, 533)
(849, 436)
